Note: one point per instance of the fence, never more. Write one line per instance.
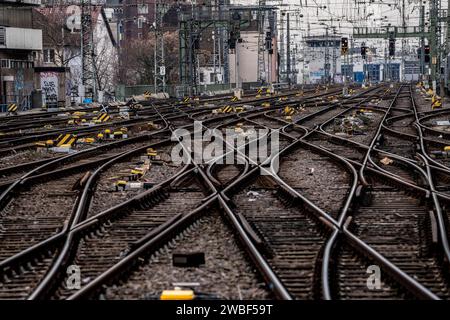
(23, 102)
(123, 92)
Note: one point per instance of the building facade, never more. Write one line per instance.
(61, 58)
(20, 45)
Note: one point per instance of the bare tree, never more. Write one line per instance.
(52, 21)
(138, 64)
(106, 62)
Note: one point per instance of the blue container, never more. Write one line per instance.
(373, 71)
(358, 77)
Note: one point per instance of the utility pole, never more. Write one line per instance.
(327, 57)
(422, 42)
(282, 46)
(403, 40)
(160, 66)
(261, 42)
(288, 51)
(333, 48)
(434, 44)
(448, 31)
(89, 77)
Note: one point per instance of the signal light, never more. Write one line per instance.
(391, 47)
(427, 54)
(344, 46)
(364, 52)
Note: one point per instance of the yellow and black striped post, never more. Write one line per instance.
(259, 93)
(12, 108)
(227, 109)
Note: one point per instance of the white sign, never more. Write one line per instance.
(49, 86)
(162, 71)
(73, 21)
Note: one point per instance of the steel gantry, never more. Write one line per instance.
(159, 57)
(194, 22)
(89, 78)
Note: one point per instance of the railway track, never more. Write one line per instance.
(309, 232)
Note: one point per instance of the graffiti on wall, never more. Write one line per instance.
(49, 86)
(18, 85)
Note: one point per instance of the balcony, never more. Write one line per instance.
(20, 38)
(23, 2)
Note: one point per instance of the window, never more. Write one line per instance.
(142, 8)
(212, 77)
(202, 77)
(49, 55)
(5, 63)
(140, 21)
(2, 36)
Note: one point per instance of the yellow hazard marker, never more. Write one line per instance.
(62, 139)
(100, 136)
(102, 118)
(234, 99)
(259, 93)
(118, 134)
(152, 153)
(239, 109)
(288, 111)
(177, 295)
(136, 173)
(447, 148)
(71, 141)
(12, 108)
(436, 102)
(121, 184)
(226, 109)
(186, 100)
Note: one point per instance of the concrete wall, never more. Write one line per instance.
(248, 59)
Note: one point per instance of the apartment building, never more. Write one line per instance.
(20, 44)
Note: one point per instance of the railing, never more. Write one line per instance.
(23, 102)
(35, 2)
(362, 31)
